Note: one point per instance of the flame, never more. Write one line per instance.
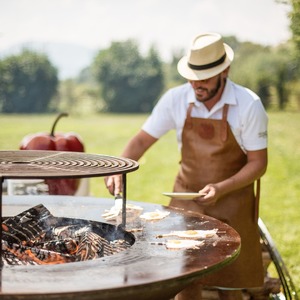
(53, 258)
(4, 227)
(28, 255)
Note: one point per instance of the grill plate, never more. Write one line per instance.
(143, 271)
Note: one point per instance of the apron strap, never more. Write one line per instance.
(257, 196)
(224, 132)
(188, 115)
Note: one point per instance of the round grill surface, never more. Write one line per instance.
(30, 164)
(144, 271)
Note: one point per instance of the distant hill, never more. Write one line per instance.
(68, 58)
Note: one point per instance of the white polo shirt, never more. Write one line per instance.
(246, 115)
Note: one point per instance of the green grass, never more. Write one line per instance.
(108, 134)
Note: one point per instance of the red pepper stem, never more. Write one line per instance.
(55, 122)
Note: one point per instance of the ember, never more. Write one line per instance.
(36, 237)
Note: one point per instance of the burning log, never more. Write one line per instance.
(36, 237)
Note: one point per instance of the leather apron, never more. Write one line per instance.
(210, 154)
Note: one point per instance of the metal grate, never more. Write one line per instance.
(56, 164)
(35, 164)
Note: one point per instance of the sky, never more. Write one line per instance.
(168, 25)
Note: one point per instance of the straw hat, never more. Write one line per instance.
(207, 57)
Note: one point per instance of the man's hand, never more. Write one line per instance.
(254, 168)
(114, 184)
(211, 195)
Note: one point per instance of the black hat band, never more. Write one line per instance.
(208, 66)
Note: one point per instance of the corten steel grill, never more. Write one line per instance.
(146, 270)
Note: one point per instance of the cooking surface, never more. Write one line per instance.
(144, 271)
(57, 164)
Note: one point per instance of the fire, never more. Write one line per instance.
(36, 237)
(53, 258)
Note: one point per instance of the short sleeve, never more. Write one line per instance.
(255, 127)
(161, 119)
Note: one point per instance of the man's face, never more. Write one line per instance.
(208, 89)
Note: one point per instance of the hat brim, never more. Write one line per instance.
(190, 74)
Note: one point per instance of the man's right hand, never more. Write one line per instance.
(114, 184)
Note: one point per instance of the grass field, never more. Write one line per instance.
(107, 134)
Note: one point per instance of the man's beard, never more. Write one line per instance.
(212, 92)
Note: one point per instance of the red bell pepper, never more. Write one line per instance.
(56, 142)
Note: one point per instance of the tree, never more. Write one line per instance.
(27, 83)
(129, 82)
(172, 77)
(251, 68)
(294, 16)
(77, 97)
(295, 24)
(265, 69)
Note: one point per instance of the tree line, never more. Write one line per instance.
(120, 79)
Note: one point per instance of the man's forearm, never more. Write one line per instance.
(138, 145)
(253, 170)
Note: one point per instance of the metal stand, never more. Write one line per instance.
(284, 276)
(1, 191)
(124, 201)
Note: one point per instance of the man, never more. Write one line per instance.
(222, 132)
